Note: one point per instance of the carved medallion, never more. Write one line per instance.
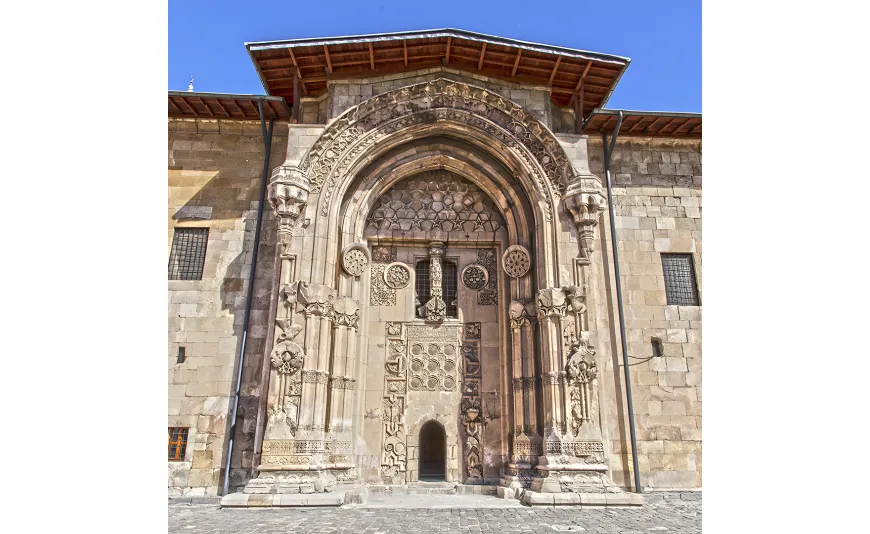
(397, 275)
(355, 259)
(516, 261)
(475, 277)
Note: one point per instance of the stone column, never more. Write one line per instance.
(551, 305)
(341, 386)
(292, 456)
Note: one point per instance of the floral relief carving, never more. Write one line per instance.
(489, 294)
(516, 261)
(475, 277)
(397, 275)
(354, 260)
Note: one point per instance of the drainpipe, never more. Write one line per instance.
(267, 139)
(608, 152)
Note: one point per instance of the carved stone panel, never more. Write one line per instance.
(433, 358)
(488, 296)
(355, 259)
(380, 293)
(432, 366)
(436, 200)
(516, 261)
(475, 277)
(397, 275)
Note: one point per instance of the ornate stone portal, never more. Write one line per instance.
(357, 367)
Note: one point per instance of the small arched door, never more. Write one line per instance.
(433, 452)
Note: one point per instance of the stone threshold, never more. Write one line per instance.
(592, 500)
(281, 500)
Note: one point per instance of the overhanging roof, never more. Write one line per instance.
(673, 124)
(322, 59)
(225, 106)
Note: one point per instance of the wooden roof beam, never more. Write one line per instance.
(636, 125)
(482, 52)
(298, 72)
(227, 113)
(174, 105)
(603, 127)
(447, 57)
(244, 114)
(555, 68)
(272, 108)
(328, 61)
(186, 103)
(665, 127)
(517, 62)
(405, 50)
(372, 56)
(685, 122)
(581, 80)
(208, 109)
(650, 125)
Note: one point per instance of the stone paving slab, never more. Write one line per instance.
(668, 517)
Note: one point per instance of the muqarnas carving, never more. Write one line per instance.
(436, 200)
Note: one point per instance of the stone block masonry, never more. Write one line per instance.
(215, 171)
(657, 206)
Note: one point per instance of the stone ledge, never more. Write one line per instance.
(195, 500)
(254, 500)
(672, 496)
(592, 500)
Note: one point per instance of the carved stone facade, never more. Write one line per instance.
(433, 260)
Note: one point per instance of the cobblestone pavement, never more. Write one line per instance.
(670, 517)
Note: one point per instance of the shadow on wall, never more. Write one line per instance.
(221, 175)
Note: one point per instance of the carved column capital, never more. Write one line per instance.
(521, 314)
(551, 303)
(346, 312)
(315, 299)
(288, 195)
(584, 199)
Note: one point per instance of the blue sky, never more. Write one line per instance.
(663, 39)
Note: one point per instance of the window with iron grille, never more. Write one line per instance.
(421, 284)
(187, 257)
(680, 286)
(177, 443)
(450, 293)
(448, 286)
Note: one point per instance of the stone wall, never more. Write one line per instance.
(215, 171)
(657, 203)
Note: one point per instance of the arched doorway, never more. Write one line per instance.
(433, 452)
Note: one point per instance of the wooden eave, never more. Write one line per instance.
(319, 60)
(226, 106)
(645, 123)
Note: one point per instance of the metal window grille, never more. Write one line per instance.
(187, 257)
(450, 289)
(421, 283)
(177, 443)
(680, 286)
